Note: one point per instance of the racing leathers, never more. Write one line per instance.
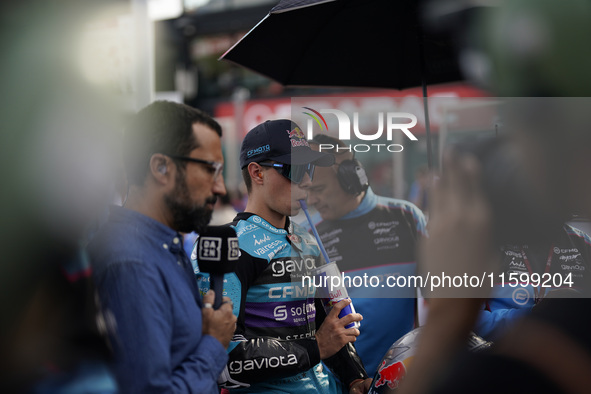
(378, 238)
(565, 260)
(274, 347)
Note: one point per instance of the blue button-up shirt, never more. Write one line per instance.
(145, 280)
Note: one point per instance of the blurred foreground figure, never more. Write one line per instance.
(56, 146)
(549, 351)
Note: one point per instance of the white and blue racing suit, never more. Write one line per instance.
(274, 347)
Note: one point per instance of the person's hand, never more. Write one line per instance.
(360, 386)
(220, 323)
(460, 242)
(332, 334)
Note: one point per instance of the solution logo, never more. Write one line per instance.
(388, 124)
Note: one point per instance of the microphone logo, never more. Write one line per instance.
(210, 248)
(233, 248)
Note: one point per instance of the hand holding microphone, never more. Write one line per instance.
(219, 323)
(217, 254)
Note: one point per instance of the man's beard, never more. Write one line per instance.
(187, 216)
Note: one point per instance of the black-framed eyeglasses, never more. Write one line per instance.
(214, 167)
(293, 172)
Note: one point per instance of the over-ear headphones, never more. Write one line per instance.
(162, 168)
(352, 176)
(350, 172)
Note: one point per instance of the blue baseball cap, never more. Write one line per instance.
(281, 141)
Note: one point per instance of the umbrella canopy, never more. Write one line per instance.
(363, 43)
(355, 43)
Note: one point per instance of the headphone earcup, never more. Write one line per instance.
(352, 177)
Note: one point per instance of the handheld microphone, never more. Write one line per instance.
(217, 254)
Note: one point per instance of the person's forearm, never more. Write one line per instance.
(347, 365)
(258, 359)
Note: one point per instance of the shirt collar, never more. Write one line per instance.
(369, 202)
(260, 222)
(170, 238)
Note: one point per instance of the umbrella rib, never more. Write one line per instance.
(243, 37)
(280, 11)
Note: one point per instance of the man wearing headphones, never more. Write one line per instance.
(368, 234)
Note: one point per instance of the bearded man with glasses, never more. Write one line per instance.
(282, 331)
(167, 339)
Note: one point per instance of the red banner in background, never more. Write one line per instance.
(410, 100)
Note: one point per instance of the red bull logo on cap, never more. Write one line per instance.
(297, 137)
(390, 375)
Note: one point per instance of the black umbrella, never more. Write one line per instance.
(363, 43)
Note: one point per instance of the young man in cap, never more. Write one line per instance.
(282, 335)
(368, 234)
